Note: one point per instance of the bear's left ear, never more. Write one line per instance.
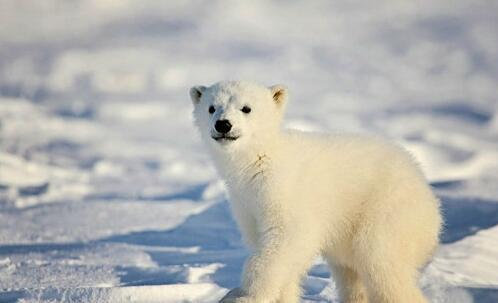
(196, 93)
(279, 93)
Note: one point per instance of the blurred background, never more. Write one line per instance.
(106, 193)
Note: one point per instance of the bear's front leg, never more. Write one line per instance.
(283, 257)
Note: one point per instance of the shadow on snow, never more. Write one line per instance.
(215, 235)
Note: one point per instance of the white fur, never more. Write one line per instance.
(360, 202)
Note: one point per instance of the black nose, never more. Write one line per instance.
(223, 126)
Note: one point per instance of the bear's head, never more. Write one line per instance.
(237, 114)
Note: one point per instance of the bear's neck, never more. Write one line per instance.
(238, 164)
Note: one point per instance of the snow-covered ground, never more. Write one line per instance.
(106, 193)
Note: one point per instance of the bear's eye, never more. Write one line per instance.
(246, 109)
(212, 109)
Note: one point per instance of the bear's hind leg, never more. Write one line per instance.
(389, 285)
(349, 284)
(389, 273)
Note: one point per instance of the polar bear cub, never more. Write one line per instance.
(359, 202)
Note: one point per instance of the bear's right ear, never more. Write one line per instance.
(196, 93)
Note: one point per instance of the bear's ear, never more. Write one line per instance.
(196, 93)
(279, 93)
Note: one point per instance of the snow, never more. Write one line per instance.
(107, 194)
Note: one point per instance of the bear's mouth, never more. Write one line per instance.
(224, 138)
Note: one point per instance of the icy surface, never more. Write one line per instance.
(106, 193)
